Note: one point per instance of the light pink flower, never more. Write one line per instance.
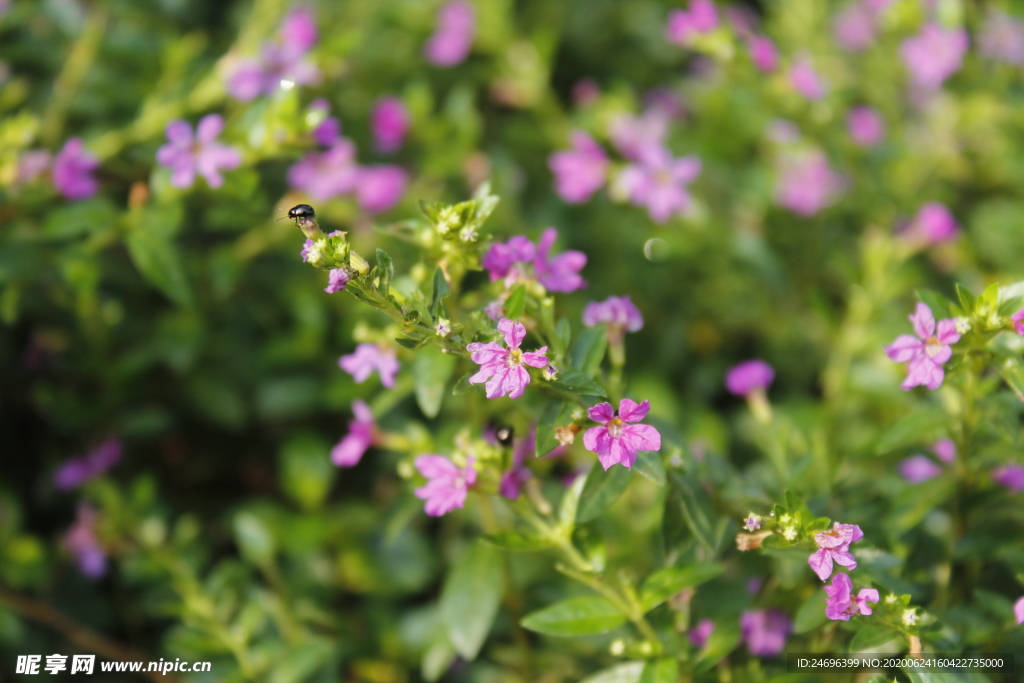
(368, 358)
(502, 368)
(925, 353)
(918, 468)
(806, 183)
(841, 604)
(378, 188)
(186, 155)
(765, 631)
(325, 175)
(618, 312)
(805, 80)
(683, 25)
(854, 27)
(72, 171)
(447, 484)
(453, 37)
(945, 450)
(361, 432)
(1018, 321)
(81, 541)
(579, 171)
(763, 53)
(558, 273)
(616, 440)
(933, 224)
(749, 376)
(1010, 476)
(282, 60)
(337, 278)
(1018, 610)
(866, 126)
(1002, 38)
(640, 137)
(390, 123)
(660, 183)
(834, 546)
(935, 54)
(700, 633)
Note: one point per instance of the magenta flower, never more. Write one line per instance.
(281, 62)
(866, 126)
(325, 175)
(945, 450)
(361, 434)
(933, 224)
(617, 441)
(453, 37)
(765, 631)
(618, 312)
(749, 376)
(700, 633)
(447, 484)
(834, 546)
(507, 260)
(841, 604)
(327, 132)
(683, 25)
(337, 278)
(80, 540)
(519, 473)
(72, 171)
(559, 273)
(378, 188)
(1018, 610)
(368, 358)
(933, 55)
(186, 155)
(639, 137)
(660, 184)
(918, 468)
(390, 122)
(925, 353)
(1018, 322)
(805, 79)
(77, 471)
(579, 171)
(763, 53)
(854, 27)
(1010, 476)
(502, 368)
(806, 183)
(1002, 38)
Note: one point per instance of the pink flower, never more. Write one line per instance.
(806, 183)
(186, 155)
(368, 358)
(502, 368)
(866, 126)
(1010, 476)
(805, 79)
(447, 484)
(361, 432)
(453, 37)
(325, 175)
(925, 353)
(617, 441)
(337, 278)
(281, 61)
(33, 165)
(77, 471)
(507, 260)
(765, 631)
(1018, 610)
(749, 376)
(841, 605)
(579, 171)
(559, 273)
(1002, 38)
(618, 312)
(834, 545)
(1018, 321)
(854, 27)
(81, 541)
(682, 26)
(72, 171)
(328, 132)
(700, 633)
(378, 188)
(935, 54)
(763, 53)
(659, 183)
(639, 137)
(390, 123)
(945, 449)
(918, 468)
(933, 224)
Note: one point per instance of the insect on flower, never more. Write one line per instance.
(305, 220)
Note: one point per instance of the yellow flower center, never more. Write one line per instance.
(615, 426)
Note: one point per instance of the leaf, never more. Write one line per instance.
(570, 504)
(588, 351)
(1012, 371)
(915, 428)
(556, 414)
(720, 643)
(441, 290)
(628, 672)
(874, 639)
(160, 263)
(470, 598)
(253, 539)
(437, 659)
(965, 298)
(413, 344)
(306, 471)
(695, 507)
(563, 335)
(515, 304)
(576, 382)
(939, 304)
(518, 541)
(384, 271)
(811, 613)
(80, 218)
(462, 385)
(648, 463)
(583, 616)
(665, 670)
(664, 583)
(602, 488)
(431, 371)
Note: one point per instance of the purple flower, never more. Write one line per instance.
(918, 468)
(76, 471)
(81, 541)
(1002, 38)
(325, 175)
(752, 522)
(506, 260)
(933, 55)
(279, 63)
(186, 155)
(640, 137)
(806, 183)
(453, 37)
(925, 353)
(337, 278)
(1010, 476)
(378, 188)
(327, 132)
(866, 126)
(447, 484)
(1018, 322)
(370, 357)
(805, 79)
(72, 171)
(682, 26)
(700, 633)
(1018, 610)
(945, 449)
(834, 546)
(519, 474)
(618, 312)
(560, 273)
(349, 451)
(933, 224)
(390, 123)
(579, 171)
(502, 368)
(765, 631)
(617, 441)
(763, 53)
(659, 183)
(841, 604)
(33, 165)
(854, 27)
(748, 376)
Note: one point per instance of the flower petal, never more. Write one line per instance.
(631, 411)
(923, 321)
(514, 332)
(434, 466)
(904, 348)
(602, 412)
(946, 332)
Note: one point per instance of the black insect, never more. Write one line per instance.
(504, 435)
(300, 211)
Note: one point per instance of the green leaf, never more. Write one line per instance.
(441, 290)
(695, 507)
(515, 304)
(556, 414)
(80, 218)
(965, 298)
(874, 639)
(583, 616)
(1012, 371)
(470, 598)
(719, 644)
(462, 385)
(570, 505)
(563, 335)
(383, 272)
(588, 351)
(648, 463)
(253, 539)
(918, 427)
(518, 541)
(665, 670)
(939, 304)
(811, 613)
(413, 344)
(664, 583)
(431, 371)
(576, 382)
(602, 488)
(628, 672)
(306, 471)
(438, 658)
(160, 263)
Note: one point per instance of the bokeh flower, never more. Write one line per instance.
(805, 80)
(639, 137)
(683, 25)
(933, 224)
(1002, 38)
(328, 174)
(806, 183)
(447, 484)
(865, 125)
(280, 63)
(841, 604)
(72, 171)
(558, 273)
(765, 631)
(379, 188)
(76, 471)
(1018, 610)
(502, 368)
(81, 541)
(453, 38)
(925, 353)
(519, 473)
(763, 53)
(700, 633)
(618, 312)
(617, 440)
(361, 432)
(934, 54)
(1010, 476)
(370, 358)
(918, 468)
(749, 376)
(186, 155)
(390, 123)
(659, 183)
(854, 27)
(579, 171)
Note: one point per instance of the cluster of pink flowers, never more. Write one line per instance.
(618, 313)
(370, 358)
(77, 471)
(453, 37)
(281, 63)
(186, 154)
(934, 54)
(764, 631)
(514, 260)
(683, 25)
(806, 183)
(834, 547)
(925, 353)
